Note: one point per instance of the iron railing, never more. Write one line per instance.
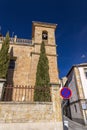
(26, 93)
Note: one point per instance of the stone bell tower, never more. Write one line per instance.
(44, 32)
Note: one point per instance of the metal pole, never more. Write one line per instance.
(62, 113)
(62, 106)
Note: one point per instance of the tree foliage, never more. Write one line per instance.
(42, 89)
(4, 57)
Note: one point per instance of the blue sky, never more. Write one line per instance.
(70, 15)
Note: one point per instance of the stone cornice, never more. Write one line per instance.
(33, 44)
(36, 53)
(24, 103)
(22, 44)
(45, 44)
(43, 24)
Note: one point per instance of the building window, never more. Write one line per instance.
(44, 35)
(85, 71)
(75, 107)
(12, 64)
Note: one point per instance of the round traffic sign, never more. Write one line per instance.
(66, 93)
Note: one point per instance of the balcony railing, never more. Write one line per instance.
(17, 40)
(25, 41)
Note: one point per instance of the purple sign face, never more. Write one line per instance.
(66, 93)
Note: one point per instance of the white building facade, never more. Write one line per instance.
(77, 82)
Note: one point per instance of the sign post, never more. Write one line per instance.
(65, 93)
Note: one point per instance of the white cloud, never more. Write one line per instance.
(83, 56)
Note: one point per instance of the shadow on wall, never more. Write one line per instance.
(8, 92)
(78, 120)
(11, 68)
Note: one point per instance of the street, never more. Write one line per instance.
(74, 125)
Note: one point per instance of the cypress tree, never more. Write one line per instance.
(4, 57)
(42, 89)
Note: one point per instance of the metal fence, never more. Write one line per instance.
(22, 93)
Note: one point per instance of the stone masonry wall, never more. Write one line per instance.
(26, 64)
(22, 69)
(32, 111)
(26, 112)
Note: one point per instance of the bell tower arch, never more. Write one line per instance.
(43, 31)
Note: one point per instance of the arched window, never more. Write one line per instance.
(44, 35)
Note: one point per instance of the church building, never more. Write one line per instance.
(25, 54)
(18, 104)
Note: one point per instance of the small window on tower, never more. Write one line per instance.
(85, 71)
(44, 35)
